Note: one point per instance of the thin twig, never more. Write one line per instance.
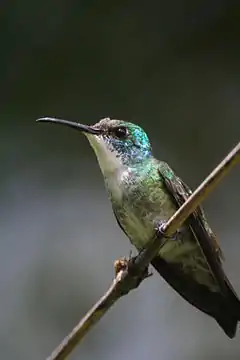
(203, 190)
(128, 279)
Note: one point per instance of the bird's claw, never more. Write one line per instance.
(160, 231)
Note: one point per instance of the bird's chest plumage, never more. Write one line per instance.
(139, 203)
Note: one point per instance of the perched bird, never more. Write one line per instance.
(144, 193)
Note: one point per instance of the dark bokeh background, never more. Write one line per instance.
(173, 67)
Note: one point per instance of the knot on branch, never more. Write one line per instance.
(129, 274)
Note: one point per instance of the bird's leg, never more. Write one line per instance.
(160, 232)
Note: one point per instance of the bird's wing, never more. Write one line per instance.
(197, 222)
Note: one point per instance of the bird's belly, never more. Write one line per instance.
(182, 249)
(139, 231)
(140, 221)
(140, 210)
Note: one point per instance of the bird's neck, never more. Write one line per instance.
(126, 178)
(133, 168)
(111, 163)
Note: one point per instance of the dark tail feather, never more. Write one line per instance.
(223, 306)
(228, 318)
(228, 323)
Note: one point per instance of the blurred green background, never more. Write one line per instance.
(172, 67)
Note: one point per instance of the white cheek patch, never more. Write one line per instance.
(108, 158)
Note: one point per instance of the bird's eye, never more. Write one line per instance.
(121, 132)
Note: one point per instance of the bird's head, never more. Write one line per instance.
(116, 143)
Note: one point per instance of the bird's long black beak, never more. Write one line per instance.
(80, 127)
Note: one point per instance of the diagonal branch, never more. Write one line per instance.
(129, 277)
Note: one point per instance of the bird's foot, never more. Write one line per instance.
(160, 231)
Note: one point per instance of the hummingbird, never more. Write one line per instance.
(145, 193)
